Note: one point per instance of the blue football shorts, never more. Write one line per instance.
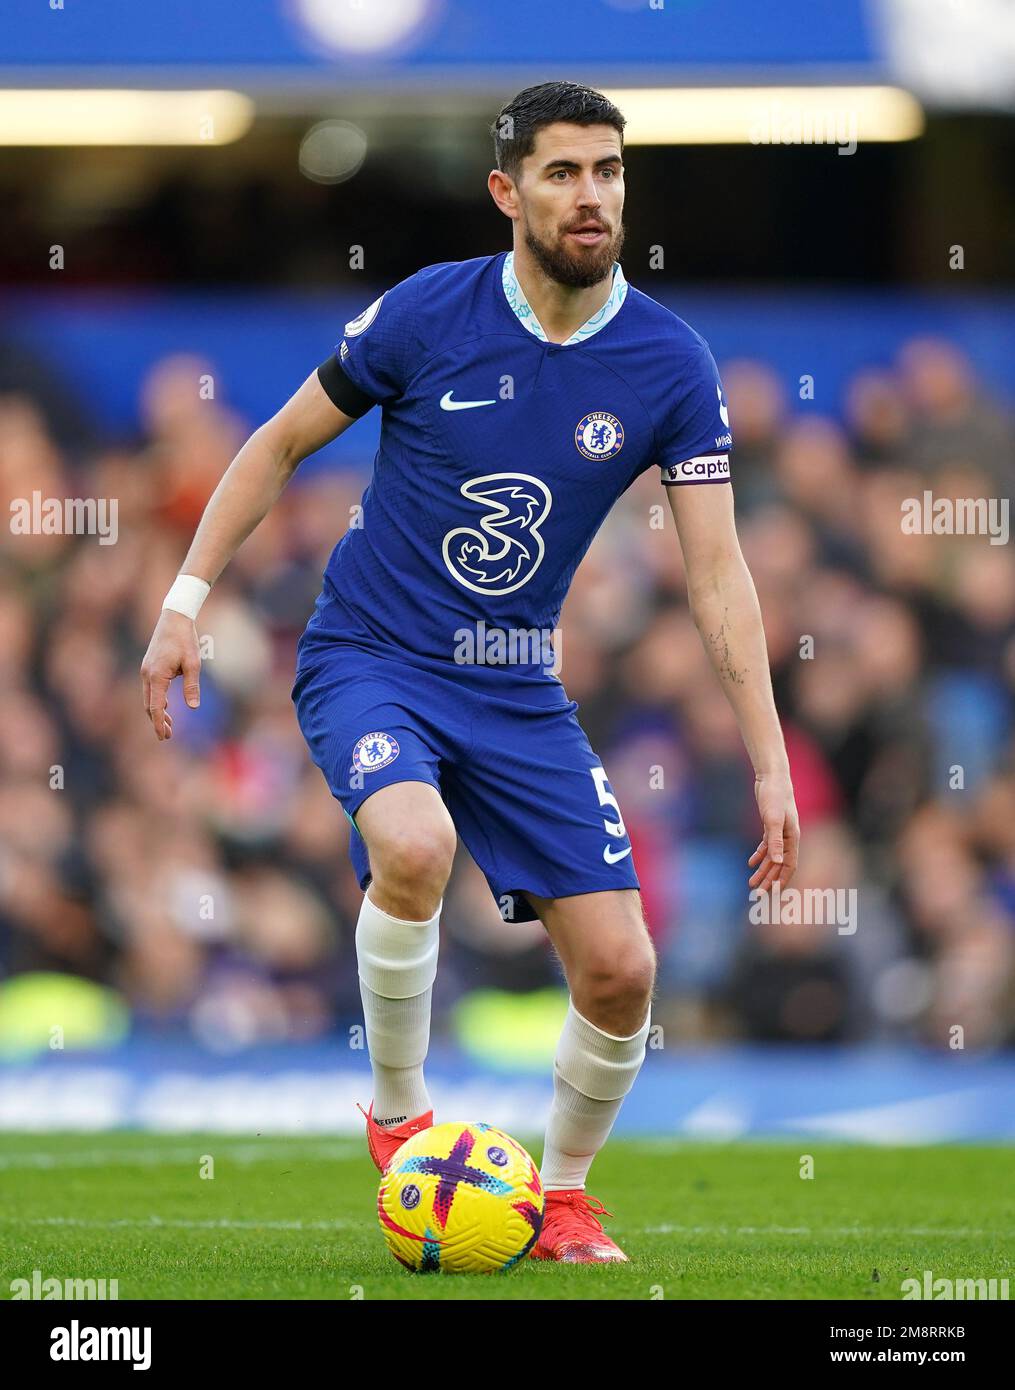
(527, 794)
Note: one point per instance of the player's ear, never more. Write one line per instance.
(503, 193)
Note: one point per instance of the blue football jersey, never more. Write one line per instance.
(501, 454)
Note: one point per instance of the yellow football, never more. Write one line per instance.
(462, 1198)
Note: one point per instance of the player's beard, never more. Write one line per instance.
(580, 269)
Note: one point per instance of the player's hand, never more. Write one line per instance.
(775, 859)
(173, 651)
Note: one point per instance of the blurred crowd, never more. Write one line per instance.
(206, 879)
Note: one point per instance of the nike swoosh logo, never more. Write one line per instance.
(448, 404)
(612, 858)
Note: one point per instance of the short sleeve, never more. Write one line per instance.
(695, 439)
(378, 353)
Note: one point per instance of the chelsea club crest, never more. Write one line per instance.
(599, 435)
(374, 751)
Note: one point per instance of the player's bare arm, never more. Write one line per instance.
(246, 493)
(724, 605)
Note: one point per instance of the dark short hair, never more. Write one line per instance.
(515, 129)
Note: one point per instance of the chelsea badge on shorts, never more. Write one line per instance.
(599, 435)
(374, 751)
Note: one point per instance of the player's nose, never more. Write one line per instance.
(588, 195)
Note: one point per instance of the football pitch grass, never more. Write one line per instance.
(296, 1219)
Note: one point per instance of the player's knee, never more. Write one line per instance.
(413, 861)
(614, 992)
(631, 981)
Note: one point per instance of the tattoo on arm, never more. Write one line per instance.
(719, 642)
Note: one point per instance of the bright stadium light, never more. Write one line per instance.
(378, 27)
(768, 115)
(37, 116)
(332, 151)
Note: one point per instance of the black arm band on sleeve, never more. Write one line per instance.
(341, 391)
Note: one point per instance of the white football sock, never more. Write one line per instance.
(397, 962)
(592, 1073)
(399, 1091)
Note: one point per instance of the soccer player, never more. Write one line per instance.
(521, 395)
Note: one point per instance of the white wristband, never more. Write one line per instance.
(187, 595)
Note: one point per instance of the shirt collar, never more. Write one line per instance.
(522, 310)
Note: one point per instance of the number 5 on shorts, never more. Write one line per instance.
(606, 798)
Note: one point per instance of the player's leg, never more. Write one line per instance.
(607, 955)
(609, 964)
(535, 808)
(381, 760)
(411, 843)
